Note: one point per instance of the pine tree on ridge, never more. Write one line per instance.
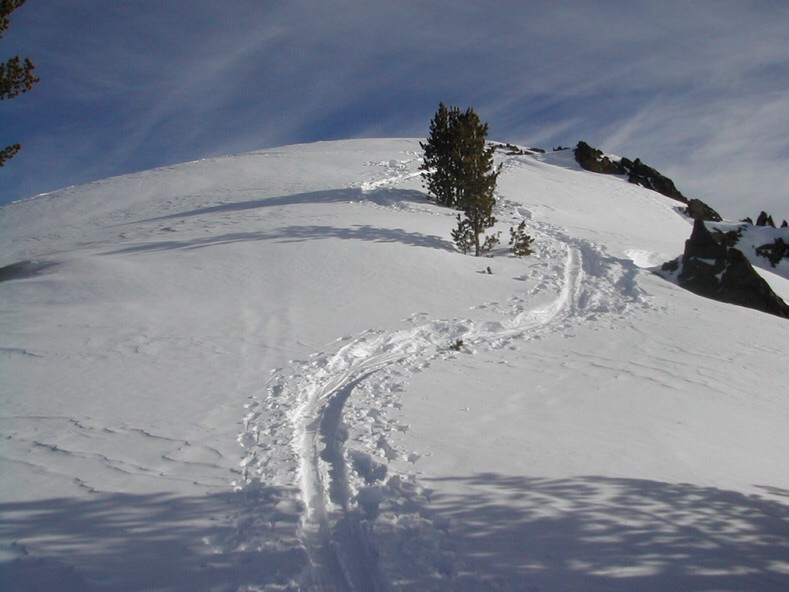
(459, 172)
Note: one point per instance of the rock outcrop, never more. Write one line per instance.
(638, 173)
(774, 251)
(765, 219)
(698, 210)
(595, 161)
(710, 268)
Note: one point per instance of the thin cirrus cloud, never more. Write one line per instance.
(698, 90)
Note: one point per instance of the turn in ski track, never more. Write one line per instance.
(312, 487)
(599, 429)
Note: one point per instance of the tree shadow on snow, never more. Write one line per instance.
(24, 269)
(584, 534)
(382, 197)
(390, 198)
(295, 234)
(122, 542)
(616, 535)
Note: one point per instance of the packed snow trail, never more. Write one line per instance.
(573, 403)
(351, 517)
(337, 493)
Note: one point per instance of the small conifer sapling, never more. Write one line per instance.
(520, 242)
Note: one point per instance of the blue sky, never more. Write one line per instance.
(697, 89)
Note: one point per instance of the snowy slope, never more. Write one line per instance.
(236, 374)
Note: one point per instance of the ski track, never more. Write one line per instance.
(309, 485)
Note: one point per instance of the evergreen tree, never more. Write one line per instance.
(16, 74)
(463, 235)
(459, 172)
(520, 242)
(438, 162)
(475, 181)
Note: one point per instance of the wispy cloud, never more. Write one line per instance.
(698, 89)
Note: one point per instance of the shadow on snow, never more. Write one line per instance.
(618, 535)
(294, 233)
(552, 535)
(123, 542)
(382, 197)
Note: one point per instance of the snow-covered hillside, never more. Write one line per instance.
(273, 371)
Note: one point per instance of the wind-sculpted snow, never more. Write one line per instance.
(321, 435)
(410, 418)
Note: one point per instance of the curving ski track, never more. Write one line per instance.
(305, 404)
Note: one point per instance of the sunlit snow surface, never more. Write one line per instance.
(237, 375)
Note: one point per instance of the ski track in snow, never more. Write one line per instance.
(310, 482)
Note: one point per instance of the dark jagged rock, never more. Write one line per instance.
(637, 172)
(774, 251)
(513, 150)
(702, 244)
(593, 160)
(640, 174)
(740, 284)
(730, 238)
(765, 219)
(711, 269)
(698, 210)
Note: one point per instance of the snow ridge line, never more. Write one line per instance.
(332, 495)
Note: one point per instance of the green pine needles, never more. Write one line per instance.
(520, 242)
(16, 74)
(459, 173)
